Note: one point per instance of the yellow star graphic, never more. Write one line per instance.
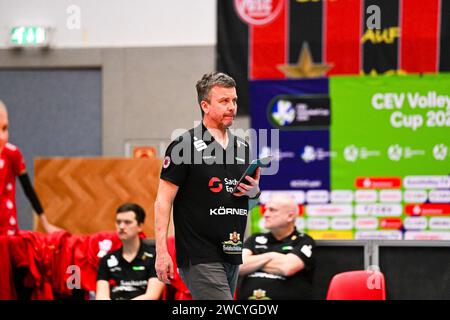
(305, 67)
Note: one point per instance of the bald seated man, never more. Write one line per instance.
(279, 264)
(12, 165)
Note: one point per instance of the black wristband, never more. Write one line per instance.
(257, 195)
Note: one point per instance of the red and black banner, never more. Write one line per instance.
(420, 25)
(255, 37)
(380, 46)
(232, 50)
(305, 26)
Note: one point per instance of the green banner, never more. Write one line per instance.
(394, 126)
(387, 156)
(390, 138)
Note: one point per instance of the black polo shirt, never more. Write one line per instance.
(262, 285)
(209, 221)
(128, 280)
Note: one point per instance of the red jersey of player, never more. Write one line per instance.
(12, 165)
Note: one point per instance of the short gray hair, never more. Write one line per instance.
(210, 80)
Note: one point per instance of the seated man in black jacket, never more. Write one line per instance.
(129, 273)
(277, 264)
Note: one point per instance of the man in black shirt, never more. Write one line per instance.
(278, 264)
(129, 273)
(200, 170)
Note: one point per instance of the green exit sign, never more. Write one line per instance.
(29, 36)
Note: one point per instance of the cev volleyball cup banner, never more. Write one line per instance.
(365, 157)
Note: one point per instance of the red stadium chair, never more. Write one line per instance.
(177, 290)
(357, 285)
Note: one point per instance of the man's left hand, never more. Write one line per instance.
(48, 227)
(251, 189)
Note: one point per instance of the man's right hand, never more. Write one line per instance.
(164, 266)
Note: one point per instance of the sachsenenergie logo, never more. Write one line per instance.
(215, 185)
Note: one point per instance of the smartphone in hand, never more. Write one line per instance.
(251, 169)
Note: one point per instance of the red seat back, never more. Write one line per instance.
(357, 285)
(177, 290)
